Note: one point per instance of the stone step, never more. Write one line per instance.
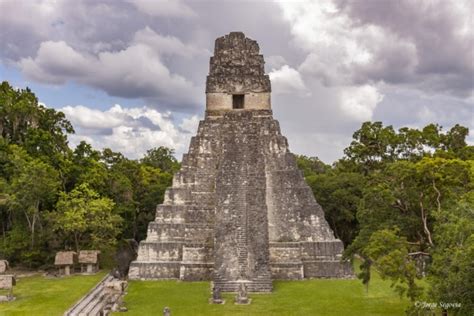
(170, 213)
(233, 286)
(327, 269)
(199, 233)
(165, 232)
(154, 270)
(160, 251)
(311, 250)
(92, 301)
(200, 215)
(177, 196)
(197, 254)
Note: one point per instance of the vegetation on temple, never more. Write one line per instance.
(401, 201)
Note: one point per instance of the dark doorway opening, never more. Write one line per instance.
(237, 101)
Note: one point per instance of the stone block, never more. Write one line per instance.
(165, 231)
(160, 251)
(89, 261)
(65, 258)
(156, 270)
(327, 269)
(7, 281)
(3, 266)
(191, 271)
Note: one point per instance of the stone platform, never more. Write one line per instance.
(257, 202)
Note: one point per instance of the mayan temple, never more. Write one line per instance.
(239, 210)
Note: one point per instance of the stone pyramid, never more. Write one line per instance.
(239, 210)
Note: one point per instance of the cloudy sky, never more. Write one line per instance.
(130, 74)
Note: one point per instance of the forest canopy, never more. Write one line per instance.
(55, 197)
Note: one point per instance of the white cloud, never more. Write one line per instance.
(360, 102)
(168, 45)
(55, 62)
(89, 118)
(173, 8)
(275, 61)
(135, 72)
(131, 131)
(342, 62)
(190, 125)
(286, 80)
(342, 52)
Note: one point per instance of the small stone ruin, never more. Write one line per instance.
(216, 296)
(89, 261)
(65, 261)
(242, 296)
(7, 281)
(113, 295)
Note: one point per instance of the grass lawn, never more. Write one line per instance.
(38, 296)
(308, 297)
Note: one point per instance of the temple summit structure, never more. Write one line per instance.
(239, 210)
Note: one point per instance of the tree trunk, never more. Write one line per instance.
(33, 223)
(424, 219)
(438, 196)
(33, 231)
(335, 229)
(76, 241)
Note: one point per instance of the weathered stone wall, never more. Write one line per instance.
(223, 101)
(237, 68)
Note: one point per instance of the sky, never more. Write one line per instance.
(130, 75)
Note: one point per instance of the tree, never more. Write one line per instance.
(339, 194)
(149, 192)
(86, 218)
(98, 190)
(373, 144)
(337, 191)
(161, 157)
(311, 165)
(389, 254)
(41, 131)
(452, 271)
(33, 188)
(86, 167)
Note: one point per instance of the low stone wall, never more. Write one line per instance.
(190, 271)
(154, 270)
(327, 269)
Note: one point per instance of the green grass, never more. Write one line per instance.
(43, 296)
(40, 296)
(308, 297)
